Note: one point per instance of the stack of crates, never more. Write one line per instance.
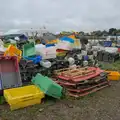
(27, 70)
(9, 72)
(23, 96)
(81, 81)
(107, 57)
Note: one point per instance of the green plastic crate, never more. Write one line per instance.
(29, 49)
(2, 100)
(48, 86)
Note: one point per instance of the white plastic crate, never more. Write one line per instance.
(48, 53)
(64, 45)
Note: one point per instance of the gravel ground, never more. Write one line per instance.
(102, 105)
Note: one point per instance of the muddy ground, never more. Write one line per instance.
(102, 105)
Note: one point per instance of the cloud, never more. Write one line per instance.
(18, 23)
(60, 14)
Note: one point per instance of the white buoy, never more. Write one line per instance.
(71, 61)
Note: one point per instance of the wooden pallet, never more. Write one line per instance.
(88, 88)
(76, 74)
(81, 83)
(88, 92)
(78, 79)
(69, 70)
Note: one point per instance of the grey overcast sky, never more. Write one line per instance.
(60, 15)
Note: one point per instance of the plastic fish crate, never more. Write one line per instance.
(48, 86)
(61, 52)
(13, 51)
(10, 80)
(51, 41)
(9, 64)
(113, 75)
(35, 59)
(50, 45)
(29, 50)
(23, 96)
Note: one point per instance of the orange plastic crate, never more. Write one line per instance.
(113, 75)
(13, 51)
(51, 41)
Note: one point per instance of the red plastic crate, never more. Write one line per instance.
(60, 50)
(118, 49)
(9, 64)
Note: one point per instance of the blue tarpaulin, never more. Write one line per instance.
(67, 39)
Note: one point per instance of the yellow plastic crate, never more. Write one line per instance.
(23, 96)
(61, 54)
(13, 51)
(113, 75)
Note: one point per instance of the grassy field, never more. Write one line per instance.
(102, 105)
(111, 66)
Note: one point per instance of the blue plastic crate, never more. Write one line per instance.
(107, 43)
(50, 45)
(67, 39)
(35, 59)
(86, 57)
